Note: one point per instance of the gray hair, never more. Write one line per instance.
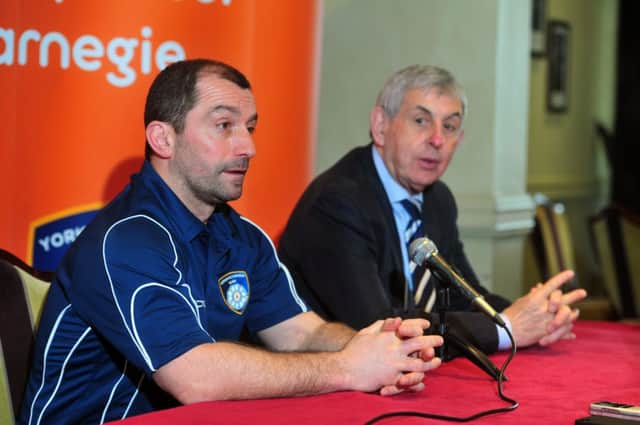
(418, 77)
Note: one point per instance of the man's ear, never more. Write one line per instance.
(377, 125)
(161, 138)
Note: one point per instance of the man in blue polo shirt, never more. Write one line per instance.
(146, 306)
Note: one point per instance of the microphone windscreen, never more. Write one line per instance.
(421, 249)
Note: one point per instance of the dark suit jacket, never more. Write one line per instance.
(343, 251)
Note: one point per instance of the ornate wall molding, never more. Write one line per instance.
(495, 216)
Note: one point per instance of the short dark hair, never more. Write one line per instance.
(173, 92)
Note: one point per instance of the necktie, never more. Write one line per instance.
(420, 275)
(414, 227)
(413, 231)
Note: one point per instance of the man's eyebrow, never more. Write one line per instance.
(233, 110)
(427, 111)
(225, 108)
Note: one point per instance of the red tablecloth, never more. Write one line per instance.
(554, 385)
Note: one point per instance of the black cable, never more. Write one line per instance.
(514, 404)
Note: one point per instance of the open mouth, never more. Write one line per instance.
(237, 171)
(429, 163)
(238, 167)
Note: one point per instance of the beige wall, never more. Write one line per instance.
(565, 158)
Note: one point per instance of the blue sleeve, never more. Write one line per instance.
(141, 305)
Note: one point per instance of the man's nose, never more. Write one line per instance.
(244, 144)
(436, 138)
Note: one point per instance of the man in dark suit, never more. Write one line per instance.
(346, 243)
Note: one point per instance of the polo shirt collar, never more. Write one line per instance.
(187, 225)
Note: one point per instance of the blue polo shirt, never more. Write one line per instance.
(145, 282)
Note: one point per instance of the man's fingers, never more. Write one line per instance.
(556, 282)
(575, 313)
(549, 339)
(410, 379)
(563, 332)
(389, 390)
(417, 365)
(417, 387)
(404, 328)
(427, 354)
(555, 301)
(421, 343)
(562, 317)
(391, 324)
(566, 317)
(574, 296)
(434, 363)
(412, 327)
(413, 376)
(422, 323)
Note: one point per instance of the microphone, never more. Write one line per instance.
(424, 251)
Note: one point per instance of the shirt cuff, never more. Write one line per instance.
(504, 343)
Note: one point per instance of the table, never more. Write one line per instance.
(553, 385)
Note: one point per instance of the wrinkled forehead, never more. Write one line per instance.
(213, 90)
(443, 100)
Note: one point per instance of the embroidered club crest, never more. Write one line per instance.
(234, 287)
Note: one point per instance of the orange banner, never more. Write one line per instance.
(73, 78)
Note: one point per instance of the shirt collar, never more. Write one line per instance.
(187, 224)
(395, 192)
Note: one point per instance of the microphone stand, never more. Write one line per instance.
(469, 350)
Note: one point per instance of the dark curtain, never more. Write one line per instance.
(624, 145)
